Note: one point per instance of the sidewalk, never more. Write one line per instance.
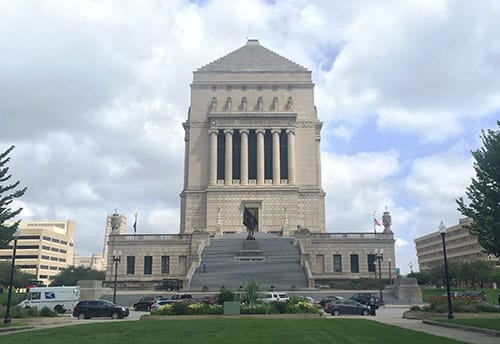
(393, 316)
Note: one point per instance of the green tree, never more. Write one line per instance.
(8, 192)
(476, 272)
(71, 276)
(436, 274)
(21, 279)
(484, 193)
(422, 277)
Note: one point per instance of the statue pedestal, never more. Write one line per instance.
(250, 251)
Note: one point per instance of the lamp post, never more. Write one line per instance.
(379, 256)
(7, 319)
(390, 277)
(442, 231)
(116, 260)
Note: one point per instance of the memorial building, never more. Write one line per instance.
(252, 141)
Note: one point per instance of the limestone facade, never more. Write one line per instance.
(252, 139)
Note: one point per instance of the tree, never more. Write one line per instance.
(422, 277)
(484, 193)
(8, 193)
(21, 279)
(71, 276)
(476, 272)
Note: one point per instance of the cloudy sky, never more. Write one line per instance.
(93, 94)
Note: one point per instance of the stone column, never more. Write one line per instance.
(228, 172)
(212, 178)
(291, 156)
(260, 156)
(244, 157)
(276, 156)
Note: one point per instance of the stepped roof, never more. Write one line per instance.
(252, 57)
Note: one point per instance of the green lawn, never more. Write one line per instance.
(221, 331)
(489, 323)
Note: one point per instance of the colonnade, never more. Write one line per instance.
(244, 156)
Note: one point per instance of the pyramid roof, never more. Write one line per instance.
(252, 57)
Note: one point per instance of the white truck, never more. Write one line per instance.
(59, 299)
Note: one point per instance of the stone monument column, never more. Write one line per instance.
(212, 179)
(228, 172)
(260, 156)
(276, 156)
(244, 157)
(291, 156)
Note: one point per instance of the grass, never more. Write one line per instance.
(219, 331)
(488, 323)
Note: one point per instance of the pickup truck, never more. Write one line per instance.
(275, 296)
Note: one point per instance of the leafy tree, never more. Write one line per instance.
(422, 277)
(484, 193)
(251, 293)
(7, 194)
(476, 272)
(436, 274)
(21, 279)
(71, 276)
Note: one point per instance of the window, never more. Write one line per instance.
(46, 257)
(131, 265)
(337, 263)
(371, 263)
(47, 248)
(165, 264)
(29, 237)
(148, 265)
(354, 263)
(46, 238)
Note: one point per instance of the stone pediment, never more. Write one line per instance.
(252, 57)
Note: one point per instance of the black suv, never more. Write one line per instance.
(366, 299)
(87, 309)
(145, 303)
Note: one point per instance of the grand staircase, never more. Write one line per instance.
(278, 263)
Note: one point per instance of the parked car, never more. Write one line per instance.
(181, 298)
(275, 296)
(368, 299)
(87, 309)
(346, 307)
(158, 303)
(145, 303)
(328, 299)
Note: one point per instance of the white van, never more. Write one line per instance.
(59, 299)
(275, 296)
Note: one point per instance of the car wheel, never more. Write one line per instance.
(115, 316)
(59, 309)
(365, 312)
(81, 316)
(336, 312)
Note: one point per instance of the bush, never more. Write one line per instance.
(183, 308)
(47, 312)
(180, 308)
(262, 308)
(225, 295)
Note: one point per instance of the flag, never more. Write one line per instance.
(135, 223)
(376, 223)
(249, 220)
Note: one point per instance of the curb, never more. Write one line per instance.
(16, 328)
(463, 327)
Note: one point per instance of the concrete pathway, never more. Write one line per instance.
(393, 316)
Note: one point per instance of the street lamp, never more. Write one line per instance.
(379, 256)
(116, 260)
(442, 231)
(7, 319)
(390, 277)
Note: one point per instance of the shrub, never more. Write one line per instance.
(301, 307)
(180, 308)
(251, 292)
(262, 308)
(204, 288)
(225, 295)
(47, 312)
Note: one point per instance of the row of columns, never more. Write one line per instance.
(228, 172)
